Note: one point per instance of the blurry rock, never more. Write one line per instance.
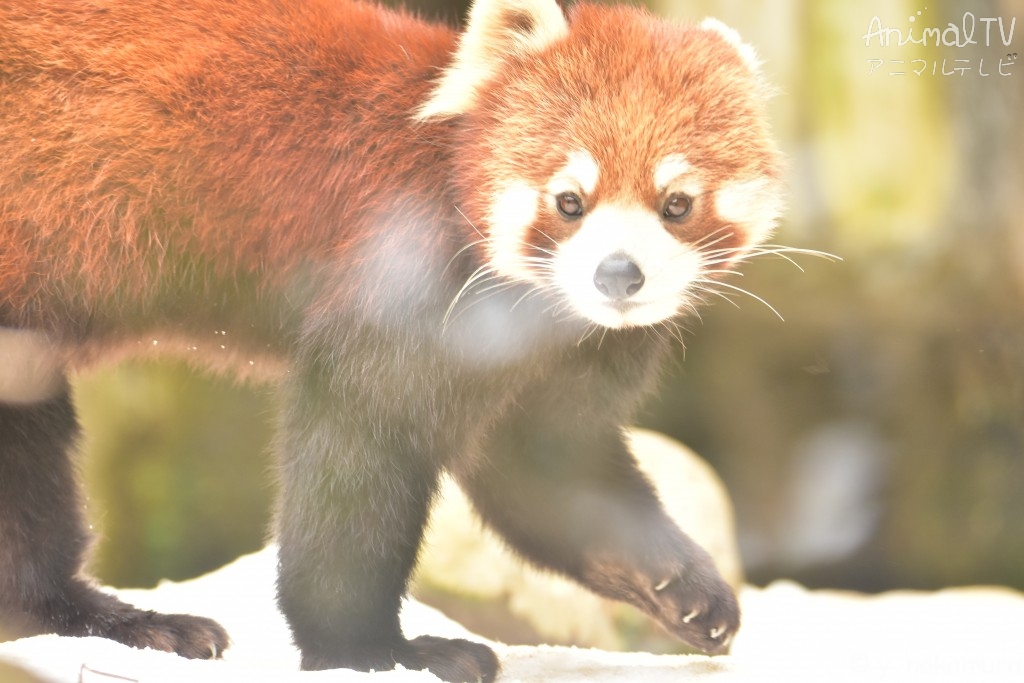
(467, 572)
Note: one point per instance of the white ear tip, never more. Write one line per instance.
(732, 36)
(497, 29)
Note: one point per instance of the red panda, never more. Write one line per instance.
(452, 252)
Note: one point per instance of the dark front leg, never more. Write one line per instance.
(356, 488)
(573, 500)
(43, 541)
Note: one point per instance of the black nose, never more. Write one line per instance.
(617, 277)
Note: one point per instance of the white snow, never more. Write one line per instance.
(789, 634)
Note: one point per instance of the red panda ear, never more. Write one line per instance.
(731, 36)
(497, 30)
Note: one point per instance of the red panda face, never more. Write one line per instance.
(621, 166)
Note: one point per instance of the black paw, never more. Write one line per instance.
(93, 613)
(698, 607)
(682, 590)
(189, 636)
(455, 661)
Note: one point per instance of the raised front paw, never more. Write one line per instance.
(682, 590)
(699, 607)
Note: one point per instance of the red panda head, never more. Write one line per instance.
(615, 159)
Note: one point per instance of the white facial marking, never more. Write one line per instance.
(512, 214)
(731, 36)
(675, 174)
(755, 205)
(31, 370)
(579, 174)
(668, 267)
(670, 168)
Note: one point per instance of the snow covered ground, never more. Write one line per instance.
(789, 634)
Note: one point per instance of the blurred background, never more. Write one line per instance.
(872, 440)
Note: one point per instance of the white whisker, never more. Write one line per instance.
(724, 271)
(476, 229)
(489, 292)
(483, 272)
(485, 282)
(699, 243)
(714, 283)
(546, 236)
(655, 331)
(460, 252)
(532, 291)
(588, 331)
(721, 295)
(676, 331)
(730, 258)
(689, 304)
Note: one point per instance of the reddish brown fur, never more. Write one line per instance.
(153, 131)
(194, 137)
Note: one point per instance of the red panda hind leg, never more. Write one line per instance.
(43, 540)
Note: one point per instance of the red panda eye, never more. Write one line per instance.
(569, 205)
(677, 207)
